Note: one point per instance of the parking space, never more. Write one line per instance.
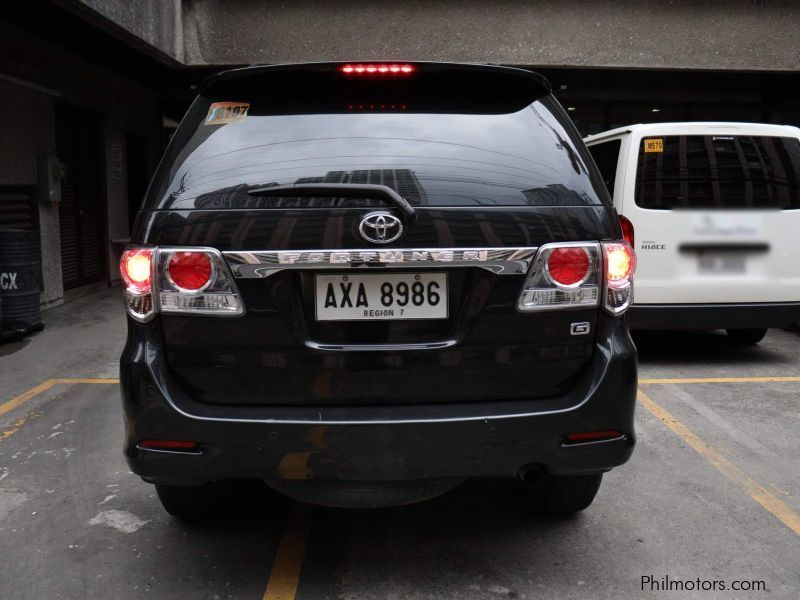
(711, 494)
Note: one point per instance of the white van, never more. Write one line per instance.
(713, 210)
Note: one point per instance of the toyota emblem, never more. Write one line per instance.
(380, 227)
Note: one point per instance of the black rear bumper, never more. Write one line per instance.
(384, 443)
(713, 316)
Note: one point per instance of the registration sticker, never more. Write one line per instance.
(220, 113)
(654, 145)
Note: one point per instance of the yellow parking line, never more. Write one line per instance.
(17, 401)
(25, 396)
(721, 380)
(285, 574)
(757, 492)
(96, 380)
(16, 425)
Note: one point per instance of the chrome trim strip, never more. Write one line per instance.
(380, 347)
(259, 264)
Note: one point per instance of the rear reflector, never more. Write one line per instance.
(168, 445)
(377, 69)
(593, 436)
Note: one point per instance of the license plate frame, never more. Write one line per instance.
(372, 284)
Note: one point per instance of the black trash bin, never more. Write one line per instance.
(20, 282)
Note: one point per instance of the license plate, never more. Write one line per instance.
(722, 263)
(381, 296)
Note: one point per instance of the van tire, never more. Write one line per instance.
(190, 503)
(746, 337)
(563, 494)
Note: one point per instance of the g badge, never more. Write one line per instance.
(579, 328)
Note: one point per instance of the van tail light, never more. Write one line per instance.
(577, 275)
(181, 280)
(620, 265)
(136, 269)
(627, 230)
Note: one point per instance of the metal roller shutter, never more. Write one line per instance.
(79, 147)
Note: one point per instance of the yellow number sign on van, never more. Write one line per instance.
(220, 113)
(654, 145)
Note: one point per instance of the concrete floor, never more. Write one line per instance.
(74, 523)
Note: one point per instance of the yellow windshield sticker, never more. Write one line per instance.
(654, 145)
(220, 113)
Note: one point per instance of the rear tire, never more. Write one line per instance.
(563, 494)
(190, 503)
(746, 337)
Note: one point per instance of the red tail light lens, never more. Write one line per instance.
(377, 69)
(568, 266)
(190, 271)
(136, 266)
(627, 230)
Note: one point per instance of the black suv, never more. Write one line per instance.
(365, 282)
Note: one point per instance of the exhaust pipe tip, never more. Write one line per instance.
(530, 475)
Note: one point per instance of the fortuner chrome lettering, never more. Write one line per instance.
(258, 264)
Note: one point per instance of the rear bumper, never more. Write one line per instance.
(384, 443)
(713, 316)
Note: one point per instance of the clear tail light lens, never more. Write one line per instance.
(620, 265)
(566, 275)
(136, 269)
(178, 280)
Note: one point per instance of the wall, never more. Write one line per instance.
(156, 24)
(26, 123)
(686, 34)
(27, 126)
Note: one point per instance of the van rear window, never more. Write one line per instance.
(439, 138)
(718, 171)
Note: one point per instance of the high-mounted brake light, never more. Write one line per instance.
(377, 69)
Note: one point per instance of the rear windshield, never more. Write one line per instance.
(462, 141)
(716, 171)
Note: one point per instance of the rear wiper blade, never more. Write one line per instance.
(338, 190)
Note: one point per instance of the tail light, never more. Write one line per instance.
(627, 230)
(181, 280)
(577, 275)
(563, 276)
(377, 69)
(620, 263)
(136, 268)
